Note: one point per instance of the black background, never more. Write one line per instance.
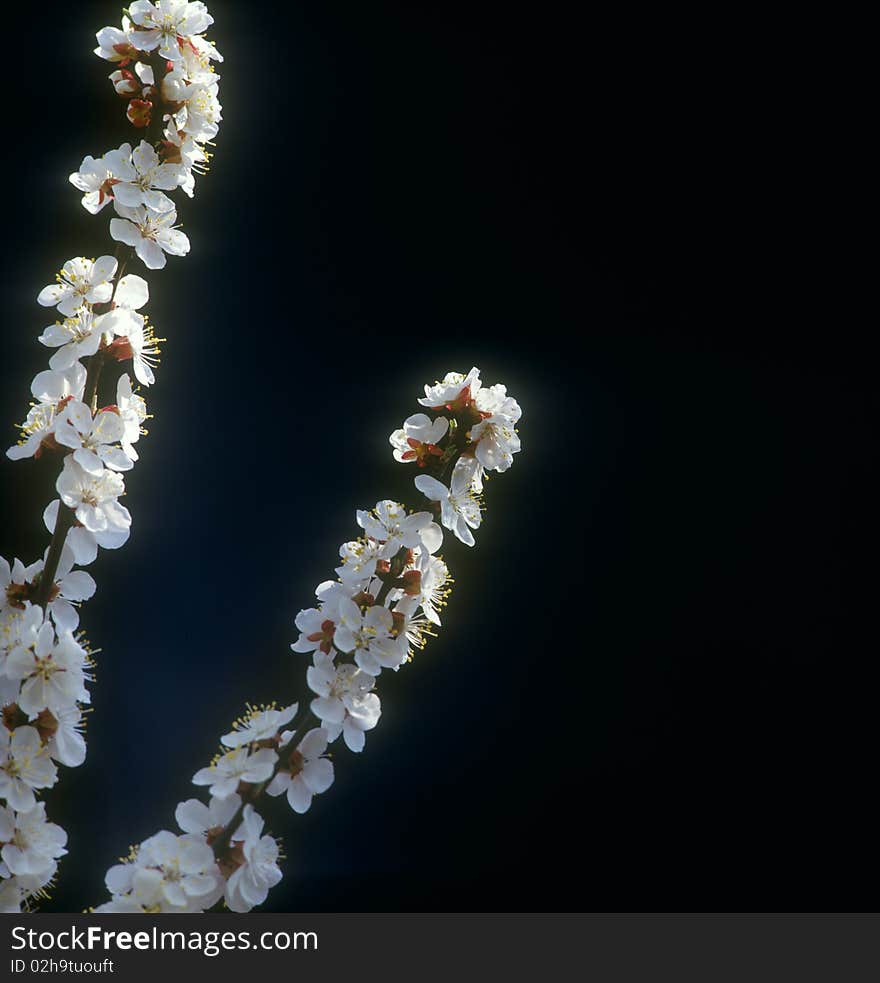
(652, 690)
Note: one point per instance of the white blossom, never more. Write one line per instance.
(249, 884)
(459, 505)
(495, 436)
(51, 672)
(306, 771)
(94, 497)
(25, 765)
(160, 24)
(31, 844)
(80, 281)
(345, 704)
(369, 636)
(75, 337)
(93, 439)
(455, 392)
(239, 765)
(390, 525)
(258, 725)
(141, 178)
(417, 440)
(151, 235)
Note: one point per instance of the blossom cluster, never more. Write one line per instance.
(164, 72)
(390, 587)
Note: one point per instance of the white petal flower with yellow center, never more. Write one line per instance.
(390, 525)
(416, 442)
(345, 703)
(31, 845)
(240, 765)
(160, 24)
(142, 178)
(51, 672)
(94, 497)
(80, 281)
(258, 724)
(25, 765)
(305, 771)
(454, 393)
(249, 884)
(133, 412)
(95, 179)
(495, 435)
(93, 438)
(150, 234)
(75, 337)
(369, 636)
(460, 509)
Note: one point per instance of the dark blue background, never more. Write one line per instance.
(651, 690)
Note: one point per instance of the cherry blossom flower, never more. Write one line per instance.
(132, 412)
(195, 817)
(316, 631)
(390, 525)
(95, 179)
(93, 438)
(94, 497)
(31, 844)
(185, 863)
(258, 725)
(369, 637)
(431, 585)
(18, 583)
(84, 542)
(135, 340)
(249, 884)
(51, 672)
(459, 505)
(359, 559)
(25, 765)
(67, 745)
(76, 337)
(80, 281)
(345, 704)
(418, 439)
(161, 24)
(227, 770)
(495, 436)
(305, 772)
(151, 235)
(454, 393)
(142, 178)
(114, 44)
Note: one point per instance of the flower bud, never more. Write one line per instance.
(125, 83)
(138, 113)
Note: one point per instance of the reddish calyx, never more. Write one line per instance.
(14, 716)
(411, 582)
(293, 763)
(419, 452)
(46, 725)
(232, 857)
(324, 636)
(128, 52)
(120, 349)
(139, 112)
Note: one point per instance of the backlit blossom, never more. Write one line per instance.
(80, 281)
(305, 771)
(151, 235)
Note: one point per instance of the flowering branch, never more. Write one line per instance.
(385, 603)
(171, 91)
